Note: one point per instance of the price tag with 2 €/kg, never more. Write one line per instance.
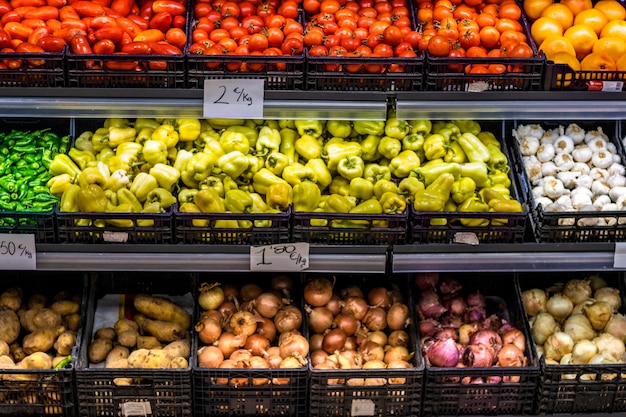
(285, 257)
(17, 251)
(234, 98)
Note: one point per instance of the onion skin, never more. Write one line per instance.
(211, 296)
(429, 305)
(357, 306)
(515, 337)
(379, 297)
(288, 318)
(249, 292)
(442, 353)
(209, 330)
(478, 356)
(511, 355)
(375, 319)
(318, 291)
(398, 316)
(210, 357)
(333, 341)
(489, 339)
(267, 304)
(243, 323)
(320, 319)
(295, 344)
(346, 322)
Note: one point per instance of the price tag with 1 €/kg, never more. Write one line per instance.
(285, 257)
(234, 98)
(17, 251)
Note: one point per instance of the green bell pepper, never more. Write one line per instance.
(287, 143)
(166, 175)
(208, 201)
(392, 203)
(473, 204)
(188, 129)
(383, 186)
(402, 164)
(125, 196)
(263, 178)
(276, 162)
(339, 185)
(279, 196)
(435, 195)
(431, 170)
(474, 149)
(142, 184)
(154, 152)
(478, 172)
(268, 141)
(462, 189)
(313, 128)
(306, 196)
(233, 163)
(409, 186)
(497, 159)
(369, 127)
(337, 203)
(389, 147)
(308, 147)
(435, 146)
(91, 199)
(375, 172)
(237, 201)
(369, 148)
(339, 128)
(396, 128)
(118, 135)
(234, 141)
(338, 151)
(167, 134)
(323, 177)
(83, 141)
(351, 167)
(468, 126)
(455, 153)
(296, 173)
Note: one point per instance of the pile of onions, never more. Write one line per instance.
(456, 330)
(249, 327)
(352, 329)
(577, 322)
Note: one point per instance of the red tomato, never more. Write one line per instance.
(161, 21)
(288, 8)
(469, 38)
(230, 9)
(171, 6)
(80, 45)
(51, 44)
(176, 37)
(392, 35)
(246, 8)
(105, 46)
(275, 37)
(292, 45)
(439, 46)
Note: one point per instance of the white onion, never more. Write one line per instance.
(557, 345)
(610, 344)
(610, 295)
(578, 327)
(583, 351)
(543, 326)
(534, 301)
(559, 306)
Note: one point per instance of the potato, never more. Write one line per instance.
(65, 343)
(4, 348)
(37, 360)
(122, 382)
(148, 342)
(105, 333)
(128, 338)
(47, 318)
(41, 340)
(65, 307)
(17, 351)
(99, 349)
(155, 359)
(9, 325)
(159, 308)
(165, 331)
(137, 358)
(117, 363)
(37, 301)
(26, 320)
(179, 362)
(117, 357)
(11, 298)
(72, 322)
(125, 324)
(6, 362)
(178, 348)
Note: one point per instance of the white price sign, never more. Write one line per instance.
(234, 98)
(285, 257)
(17, 251)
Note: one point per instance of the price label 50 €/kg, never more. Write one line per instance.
(285, 257)
(17, 251)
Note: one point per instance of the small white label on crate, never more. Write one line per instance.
(363, 408)
(234, 98)
(468, 238)
(115, 237)
(478, 86)
(619, 257)
(607, 86)
(136, 408)
(286, 257)
(17, 251)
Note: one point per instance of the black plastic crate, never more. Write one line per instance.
(357, 229)
(20, 69)
(254, 228)
(446, 227)
(563, 77)
(43, 392)
(369, 392)
(351, 74)
(150, 71)
(245, 391)
(159, 392)
(573, 389)
(510, 390)
(569, 226)
(148, 228)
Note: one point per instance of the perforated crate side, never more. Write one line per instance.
(500, 390)
(562, 77)
(46, 69)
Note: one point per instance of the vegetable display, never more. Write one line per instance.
(573, 169)
(250, 327)
(463, 328)
(355, 329)
(577, 322)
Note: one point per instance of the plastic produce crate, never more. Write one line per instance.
(446, 227)
(40, 224)
(245, 391)
(485, 390)
(569, 226)
(581, 388)
(155, 391)
(562, 77)
(370, 392)
(350, 228)
(258, 229)
(42, 392)
(46, 69)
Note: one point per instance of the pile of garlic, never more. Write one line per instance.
(571, 169)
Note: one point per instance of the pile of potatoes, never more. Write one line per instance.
(158, 336)
(38, 331)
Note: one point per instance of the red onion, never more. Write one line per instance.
(448, 285)
(477, 355)
(429, 305)
(489, 339)
(451, 321)
(428, 327)
(426, 280)
(474, 315)
(447, 333)
(476, 299)
(442, 353)
(455, 305)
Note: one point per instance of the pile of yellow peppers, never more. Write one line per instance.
(266, 166)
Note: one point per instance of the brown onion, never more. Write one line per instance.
(353, 357)
(211, 296)
(267, 304)
(397, 353)
(294, 345)
(315, 341)
(208, 330)
(318, 291)
(375, 319)
(230, 292)
(511, 355)
(210, 357)
(285, 335)
(288, 318)
(229, 342)
(398, 338)
(398, 316)
(334, 340)
(273, 361)
(282, 283)
(257, 344)
(273, 351)
(357, 306)
(289, 362)
(379, 297)
(227, 309)
(478, 355)
(352, 291)
(320, 319)
(212, 315)
(250, 292)
(228, 364)
(334, 305)
(257, 362)
(243, 323)
(371, 351)
(267, 328)
(346, 322)
(318, 356)
(240, 355)
(398, 365)
(378, 336)
(515, 337)
(350, 343)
